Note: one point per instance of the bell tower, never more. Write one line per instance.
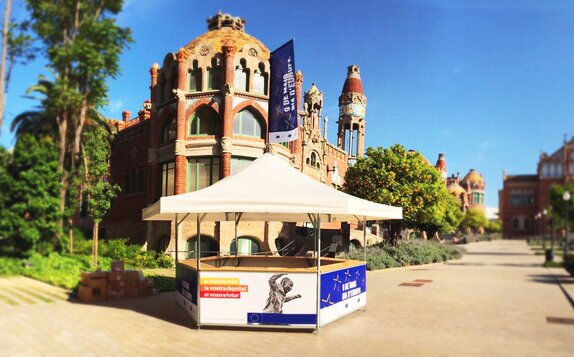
(352, 106)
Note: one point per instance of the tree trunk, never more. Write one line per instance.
(3, 63)
(71, 237)
(95, 244)
(62, 130)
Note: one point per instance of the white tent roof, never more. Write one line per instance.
(269, 190)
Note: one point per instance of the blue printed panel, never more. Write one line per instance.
(186, 282)
(341, 285)
(264, 318)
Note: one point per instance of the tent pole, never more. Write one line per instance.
(318, 245)
(198, 262)
(236, 245)
(176, 239)
(365, 237)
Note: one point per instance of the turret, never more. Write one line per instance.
(352, 106)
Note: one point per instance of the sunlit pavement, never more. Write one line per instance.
(497, 300)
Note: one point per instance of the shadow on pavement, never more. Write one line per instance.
(160, 306)
(497, 253)
(551, 279)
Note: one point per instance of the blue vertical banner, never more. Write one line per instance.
(283, 123)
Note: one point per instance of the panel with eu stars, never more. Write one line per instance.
(341, 285)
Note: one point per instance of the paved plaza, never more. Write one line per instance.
(496, 300)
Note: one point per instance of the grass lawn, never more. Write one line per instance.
(163, 278)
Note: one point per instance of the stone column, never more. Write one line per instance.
(295, 146)
(180, 160)
(229, 49)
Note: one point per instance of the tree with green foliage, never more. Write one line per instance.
(29, 187)
(396, 177)
(494, 226)
(474, 219)
(558, 206)
(82, 43)
(100, 192)
(16, 47)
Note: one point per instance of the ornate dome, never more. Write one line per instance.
(224, 28)
(474, 179)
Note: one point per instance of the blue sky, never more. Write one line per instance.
(489, 83)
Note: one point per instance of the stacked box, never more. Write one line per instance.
(115, 284)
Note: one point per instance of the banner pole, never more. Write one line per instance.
(318, 243)
(198, 261)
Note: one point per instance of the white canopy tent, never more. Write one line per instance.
(268, 190)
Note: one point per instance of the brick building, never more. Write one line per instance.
(524, 196)
(206, 119)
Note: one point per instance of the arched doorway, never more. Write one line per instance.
(209, 247)
(245, 246)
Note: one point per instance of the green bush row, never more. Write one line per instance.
(120, 249)
(11, 266)
(410, 252)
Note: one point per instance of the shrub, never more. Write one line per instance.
(60, 270)
(11, 266)
(415, 252)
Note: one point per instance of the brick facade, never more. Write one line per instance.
(206, 117)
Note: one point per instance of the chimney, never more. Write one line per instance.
(126, 114)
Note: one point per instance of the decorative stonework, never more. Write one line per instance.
(180, 147)
(204, 51)
(270, 149)
(152, 156)
(226, 144)
(299, 77)
(228, 89)
(252, 52)
(179, 94)
(182, 55)
(154, 70)
(229, 47)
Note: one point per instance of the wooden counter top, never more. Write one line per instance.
(269, 263)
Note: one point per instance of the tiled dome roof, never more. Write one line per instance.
(223, 28)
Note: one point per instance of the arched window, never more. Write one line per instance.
(242, 76)
(140, 180)
(246, 123)
(245, 246)
(516, 224)
(169, 130)
(209, 247)
(162, 244)
(214, 74)
(313, 159)
(260, 80)
(127, 187)
(204, 122)
(195, 78)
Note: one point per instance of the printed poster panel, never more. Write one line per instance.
(342, 292)
(283, 123)
(186, 286)
(258, 299)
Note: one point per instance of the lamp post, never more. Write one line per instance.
(566, 198)
(543, 215)
(537, 222)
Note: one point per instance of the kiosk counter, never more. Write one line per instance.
(270, 291)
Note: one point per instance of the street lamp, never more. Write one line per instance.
(566, 198)
(543, 214)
